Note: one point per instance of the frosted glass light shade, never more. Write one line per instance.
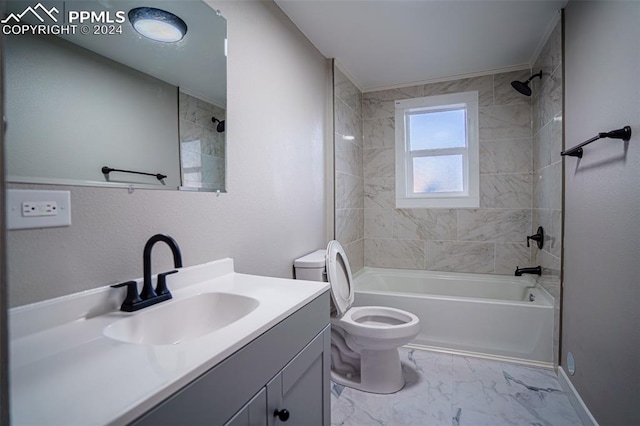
(157, 24)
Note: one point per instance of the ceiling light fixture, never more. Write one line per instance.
(157, 24)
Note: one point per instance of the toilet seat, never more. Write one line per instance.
(339, 276)
(379, 322)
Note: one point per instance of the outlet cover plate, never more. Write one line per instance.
(16, 198)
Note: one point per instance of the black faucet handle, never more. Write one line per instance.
(161, 287)
(132, 297)
(538, 237)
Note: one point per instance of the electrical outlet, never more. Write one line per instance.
(37, 209)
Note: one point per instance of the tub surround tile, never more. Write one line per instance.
(389, 253)
(504, 92)
(347, 123)
(547, 144)
(551, 222)
(347, 92)
(379, 133)
(505, 156)
(349, 225)
(511, 255)
(424, 224)
(204, 112)
(202, 149)
(379, 163)
(191, 136)
(349, 191)
(505, 122)
(187, 107)
(348, 157)
(548, 103)
(550, 264)
(355, 254)
(506, 191)
(484, 86)
(379, 193)
(395, 94)
(506, 164)
(547, 187)
(378, 223)
(495, 225)
(381, 104)
(190, 159)
(219, 145)
(212, 169)
(444, 389)
(549, 60)
(375, 108)
(456, 256)
(348, 169)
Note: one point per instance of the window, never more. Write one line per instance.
(437, 151)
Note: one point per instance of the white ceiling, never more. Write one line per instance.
(386, 43)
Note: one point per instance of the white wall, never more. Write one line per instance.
(601, 300)
(279, 91)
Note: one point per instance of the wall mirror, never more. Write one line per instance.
(103, 95)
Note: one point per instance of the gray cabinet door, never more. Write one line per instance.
(302, 388)
(252, 414)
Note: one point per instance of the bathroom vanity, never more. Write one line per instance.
(259, 355)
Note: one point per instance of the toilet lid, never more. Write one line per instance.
(339, 275)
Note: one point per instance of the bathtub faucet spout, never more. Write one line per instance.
(533, 270)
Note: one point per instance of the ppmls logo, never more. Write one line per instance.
(40, 20)
(17, 18)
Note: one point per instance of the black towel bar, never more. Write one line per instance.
(106, 170)
(624, 134)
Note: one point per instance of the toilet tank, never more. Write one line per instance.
(311, 266)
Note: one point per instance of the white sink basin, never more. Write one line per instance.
(177, 321)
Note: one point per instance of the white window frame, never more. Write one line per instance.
(469, 197)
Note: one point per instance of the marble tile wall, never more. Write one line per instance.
(349, 171)
(547, 165)
(489, 239)
(202, 148)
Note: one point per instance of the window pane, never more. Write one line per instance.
(437, 129)
(437, 174)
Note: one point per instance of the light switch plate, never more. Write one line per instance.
(38, 209)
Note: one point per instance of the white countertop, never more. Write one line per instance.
(65, 371)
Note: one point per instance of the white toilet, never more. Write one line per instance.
(364, 340)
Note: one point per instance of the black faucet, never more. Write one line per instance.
(533, 270)
(149, 296)
(538, 237)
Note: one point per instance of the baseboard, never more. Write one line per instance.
(574, 397)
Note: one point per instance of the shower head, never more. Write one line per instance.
(523, 86)
(220, 126)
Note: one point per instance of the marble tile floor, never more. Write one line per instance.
(452, 390)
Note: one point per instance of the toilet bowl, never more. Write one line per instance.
(364, 340)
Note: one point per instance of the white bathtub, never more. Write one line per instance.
(498, 316)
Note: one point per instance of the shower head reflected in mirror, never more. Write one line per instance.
(523, 86)
(220, 126)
